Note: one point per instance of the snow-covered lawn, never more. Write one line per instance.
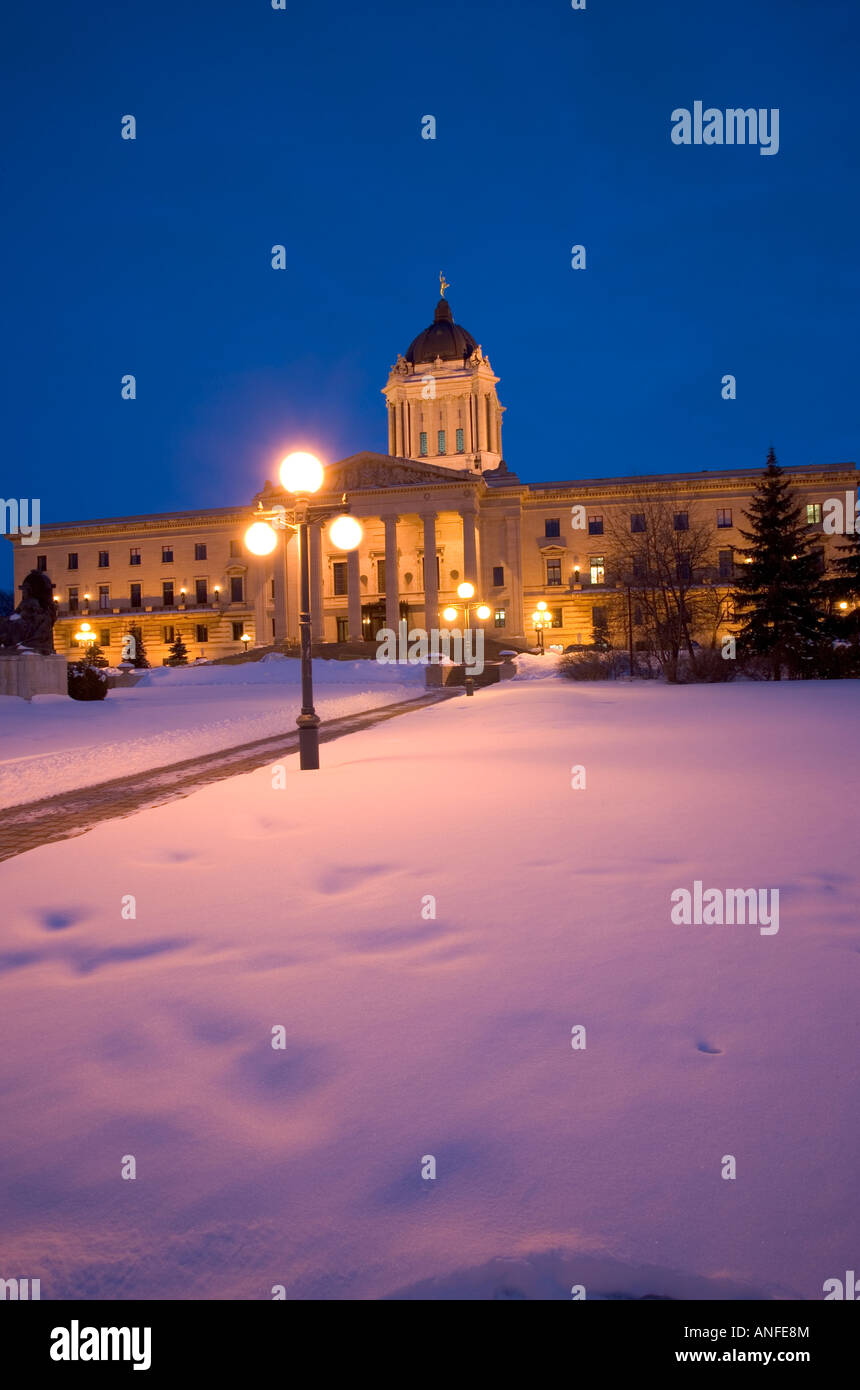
(408, 1036)
(52, 744)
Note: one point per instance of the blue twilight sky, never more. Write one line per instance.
(302, 126)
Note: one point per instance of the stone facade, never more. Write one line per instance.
(448, 495)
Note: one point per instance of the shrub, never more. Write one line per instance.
(86, 682)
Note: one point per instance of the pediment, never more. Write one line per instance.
(372, 472)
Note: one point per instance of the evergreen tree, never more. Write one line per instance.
(178, 653)
(139, 660)
(777, 590)
(600, 634)
(93, 656)
(845, 587)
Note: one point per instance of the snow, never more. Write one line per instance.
(407, 1037)
(52, 744)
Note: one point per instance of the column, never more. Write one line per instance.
(392, 448)
(392, 578)
(514, 559)
(279, 562)
(317, 615)
(470, 548)
(431, 584)
(353, 595)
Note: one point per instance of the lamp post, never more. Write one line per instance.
(302, 475)
(245, 639)
(541, 619)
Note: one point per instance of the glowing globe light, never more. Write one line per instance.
(466, 590)
(541, 607)
(260, 538)
(449, 615)
(483, 612)
(345, 533)
(301, 473)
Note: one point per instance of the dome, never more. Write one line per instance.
(444, 338)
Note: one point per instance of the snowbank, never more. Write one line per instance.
(408, 1035)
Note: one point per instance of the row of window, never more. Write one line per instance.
(597, 567)
(168, 634)
(441, 443)
(681, 520)
(201, 552)
(168, 594)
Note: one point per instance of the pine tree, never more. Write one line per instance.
(600, 637)
(845, 586)
(93, 656)
(777, 590)
(178, 653)
(139, 660)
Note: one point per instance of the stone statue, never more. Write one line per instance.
(31, 627)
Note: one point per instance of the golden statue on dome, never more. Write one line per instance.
(443, 284)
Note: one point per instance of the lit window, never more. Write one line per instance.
(813, 513)
(553, 572)
(598, 569)
(499, 617)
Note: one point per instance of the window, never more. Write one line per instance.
(595, 526)
(556, 617)
(460, 443)
(683, 569)
(238, 629)
(104, 637)
(598, 617)
(168, 633)
(167, 554)
(726, 559)
(499, 617)
(682, 521)
(202, 632)
(637, 617)
(498, 576)
(104, 559)
(597, 568)
(553, 572)
(552, 526)
(724, 517)
(135, 595)
(167, 593)
(201, 592)
(380, 576)
(637, 521)
(73, 559)
(200, 550)
(343, 629)
(422, 444)
(237, 588)
(338, 574)
(134, 555)
(104, 596)
(440, 441)
(235, 549)
(41, 563)
(813, 513)
(640, 568)
(820, 560)
(73, 600)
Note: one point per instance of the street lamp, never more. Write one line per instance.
(540, 620)
(245, 639)
(85, 637)
(302, 475)
(466, 592)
